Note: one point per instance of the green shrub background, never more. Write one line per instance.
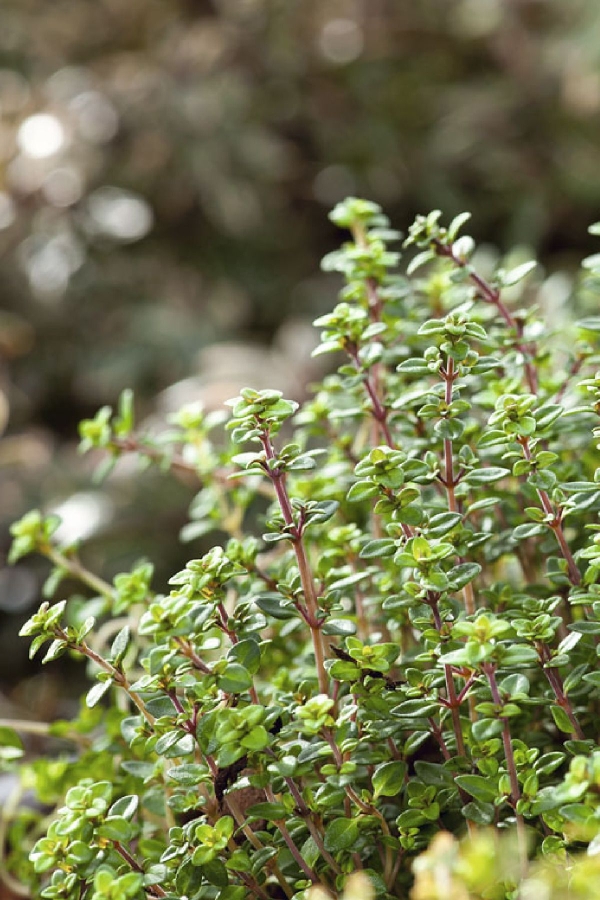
(237, 124)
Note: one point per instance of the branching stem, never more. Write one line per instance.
(556, 522)
(490, 673)
(277, 478)
(492, 295)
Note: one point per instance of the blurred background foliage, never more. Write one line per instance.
(165, 171)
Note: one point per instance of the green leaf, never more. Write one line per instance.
(115, 828)
(433, 773)
(527, 530)
(247, 654)
(272, 812)
(561, 719)
(188, 774)
(388, 779)
(518, 655)
(215, 873)
(479, 812)
(341, 834)
(477, 786)
(362, 490)
(256, 739)
(272, 604)
(232, 891)
(340, 627)
(419, 260)
(591, 262)
(119, 646)
(457, 223)
(548, 763)
(414, 366)
(380, 547)
(462, 574)
(517, 274)
(486, 475)
(486, 729)
(97, 692)
(416, 708)
(442, 523)
(591, 323)
(343, 670)
(125, 807)
(491, 437)
(235, 680)
(11, 746)
(56, 649)
(168, 740)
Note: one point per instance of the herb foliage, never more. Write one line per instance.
(393, 639)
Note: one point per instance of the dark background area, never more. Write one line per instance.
(166, 168)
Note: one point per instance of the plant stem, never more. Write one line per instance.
(255, 841)
(371, 810)
(379, 411)
(489, 670)
(306, 578)
(135, 865)
(492, 295)
(175, 462)
(556, 683)
(118, 677)
(556, 523)
(307, 817)
(453, 701)
(280, 823)
(188, 651)
(450, 375)
(26, 726)
(454, 710)
(438, 735)
(77, 570)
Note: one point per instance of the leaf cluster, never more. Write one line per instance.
(393, 636)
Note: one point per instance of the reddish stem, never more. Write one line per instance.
(489, 670)
(492, 295)
(277, 478)
(556, 523)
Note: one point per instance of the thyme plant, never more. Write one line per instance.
(387, 639)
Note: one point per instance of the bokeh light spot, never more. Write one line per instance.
(120, 214)
(341, 41)
(40, 136)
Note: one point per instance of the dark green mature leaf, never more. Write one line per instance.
(378, 548)
(235, 679)
(270, 811)
(341, 834)
(477, 786)
(115, 828)
(216, 873)
(273, 605)
(247, 654)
